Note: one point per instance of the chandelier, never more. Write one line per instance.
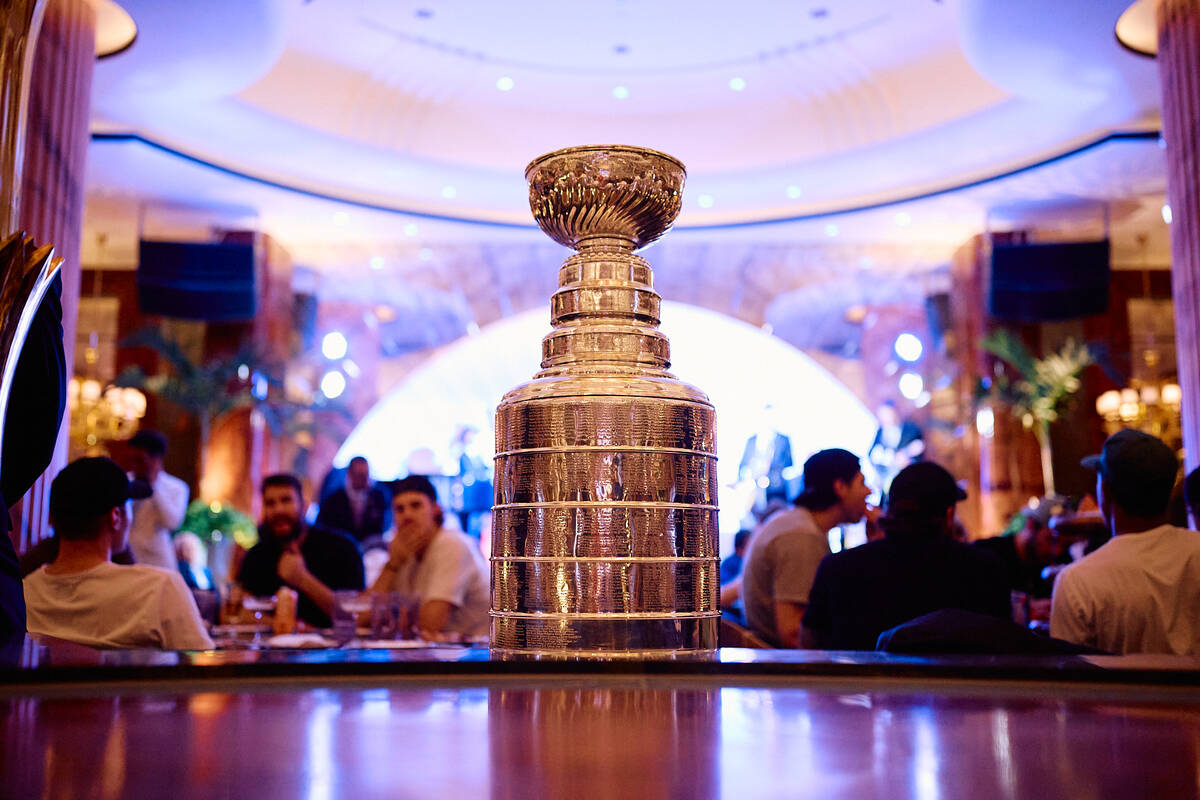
(1149, 407)
(101, 415)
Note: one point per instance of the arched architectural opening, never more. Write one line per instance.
(742, 368)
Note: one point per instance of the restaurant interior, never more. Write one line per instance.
(297, 233)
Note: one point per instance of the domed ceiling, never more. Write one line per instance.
(779, 110)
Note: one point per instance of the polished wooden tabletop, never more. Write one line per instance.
(598, 733)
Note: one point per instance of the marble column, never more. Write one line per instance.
(1179, 74)
(52, 191)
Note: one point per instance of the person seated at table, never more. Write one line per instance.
(1033, 546)
(1140, 591)
(442, 567)
(313, 560)
(784, 553)
(915, 569)
(81, 596)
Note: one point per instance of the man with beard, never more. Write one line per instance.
(444, 568)
(313, 560)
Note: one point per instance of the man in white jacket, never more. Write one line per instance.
(156, 517)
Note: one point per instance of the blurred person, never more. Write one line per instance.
(312, 559)
(1140, 591)
(1025, 554)
(358, 508)
(766, 461)
(442, 567)
(1191, 495)
(784, 554)
(156, 517)
(917, 568)
(193, 561)
(81, 596)
(898, 443)
(731, 565)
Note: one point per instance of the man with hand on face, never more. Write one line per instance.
(313, 560)
(442, 567)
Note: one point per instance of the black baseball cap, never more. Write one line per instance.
(820, 471)
(89, 487)
(415, 483)
(923, 489)
(1139, 469)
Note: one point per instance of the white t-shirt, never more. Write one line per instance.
(780, 566)
(154, 518)
(450, 569)
(111, 605)
(1139, 593)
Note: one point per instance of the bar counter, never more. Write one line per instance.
(455, 722)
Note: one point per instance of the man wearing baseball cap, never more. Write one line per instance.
(81, 596)
(786, 550)
(917, 568)
(1140, 592)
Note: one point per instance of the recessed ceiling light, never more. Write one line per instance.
(620, 92)
(737, 84)
(411, 229)
(831, 230)
(504, 84)
(448, 192)
(794, 192)
(903, 220)
(425, 254)
(705, 201)
(1166, 212)
(340, 218)
(376, 262)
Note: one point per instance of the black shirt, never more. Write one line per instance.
(333, 558)
(858, 594)
(1018, 575)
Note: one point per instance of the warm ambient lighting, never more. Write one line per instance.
(620, 92)
(376, 262)
(115, 29)
(737, 84)
(505, 84)
(99, 415)
(1137, 27)
(1150, 407)
(1167, 216)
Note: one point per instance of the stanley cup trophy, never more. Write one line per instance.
(604, 539)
